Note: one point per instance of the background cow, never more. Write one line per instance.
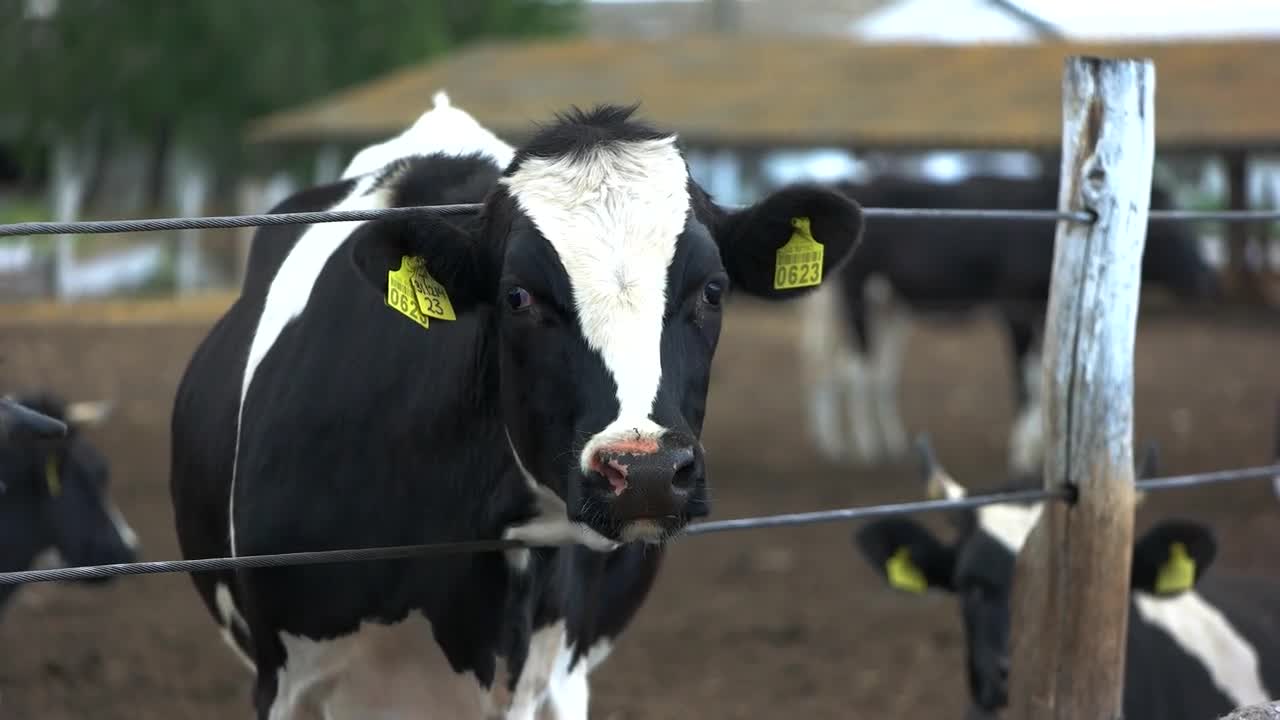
(856, 329)
(1194, 652)
(548, 385)
(55, 505)
(19, 423)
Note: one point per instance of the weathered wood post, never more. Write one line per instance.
(1071, 582)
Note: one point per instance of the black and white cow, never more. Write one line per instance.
(1194, 651)
(562, 404)
(55, 504)
(19, 423)
(856, 327)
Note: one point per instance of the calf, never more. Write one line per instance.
(1197, 648)
(54, 499)
(541, 376)
(945, 269)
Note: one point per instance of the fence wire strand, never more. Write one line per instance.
(90, 572)
(219, 222)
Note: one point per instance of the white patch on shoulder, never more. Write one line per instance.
(442, 129)
(1205, 634)
(613, 217)
(380, 671)
(1009, 523)
(291, 290)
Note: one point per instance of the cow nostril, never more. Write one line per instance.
(685, 465)
(1002, 665)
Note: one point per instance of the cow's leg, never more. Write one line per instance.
(823, 348)
(569, 694)
(1026, 438)
(892, 328)
(860, 390)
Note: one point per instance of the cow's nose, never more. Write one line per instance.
(1002, 668)
(647, 481)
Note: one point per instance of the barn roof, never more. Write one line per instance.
(751, 90)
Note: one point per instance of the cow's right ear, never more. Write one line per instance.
(907, 555)
(435, 262)
(1172, 557)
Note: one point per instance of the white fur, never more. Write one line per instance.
(442, 129)
(1205, 634)
(1009, 523)
(1026, 439)
(820, 344)
(613, 218)
(231, 616)
(551, 526)
(118, 521)
(891, 327)
(380, 671)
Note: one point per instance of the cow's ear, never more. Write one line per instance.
(906, 555)
(426, 266)
(1172, 557)
(789, 242)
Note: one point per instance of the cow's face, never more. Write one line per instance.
(57, 494)
(606, 270)
(978, 568)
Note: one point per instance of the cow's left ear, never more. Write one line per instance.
(1172, 557)
(433, 264)
(789, 242)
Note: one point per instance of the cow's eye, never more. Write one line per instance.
(519, 299)
(712, 292)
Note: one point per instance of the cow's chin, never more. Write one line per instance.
(650, 531)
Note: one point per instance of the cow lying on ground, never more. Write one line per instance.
(540, 375)
(54, 495)
(856, 328)
(1196, 648)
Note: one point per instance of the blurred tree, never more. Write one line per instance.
(196, 72)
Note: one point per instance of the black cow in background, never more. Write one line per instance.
(55, 504)
(1197, 646)
(856, 329)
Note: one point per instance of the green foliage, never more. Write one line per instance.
(201, 69)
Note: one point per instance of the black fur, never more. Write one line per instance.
(360, 428)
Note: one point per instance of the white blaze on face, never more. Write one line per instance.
(613, 216)
(1008, 523)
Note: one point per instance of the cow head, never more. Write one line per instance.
(604, 269)
(54, 493)
(978, 569)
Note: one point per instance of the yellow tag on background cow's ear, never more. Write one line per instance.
(799, 262)
(903, 574)
(1178, 574)
(51, 476)
(400, 293)
(432, 298)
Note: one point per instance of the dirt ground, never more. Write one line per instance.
(753, 624)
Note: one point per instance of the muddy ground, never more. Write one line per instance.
(754, 624)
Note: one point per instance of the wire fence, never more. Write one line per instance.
(243, 562)
(217, 222)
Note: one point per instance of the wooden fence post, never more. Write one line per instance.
(1071, 581)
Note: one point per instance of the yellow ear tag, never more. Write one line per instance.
(432, 298)
(51, 476)
(903, 574)
(400, 294)
(1178, 574)
(799, 262)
